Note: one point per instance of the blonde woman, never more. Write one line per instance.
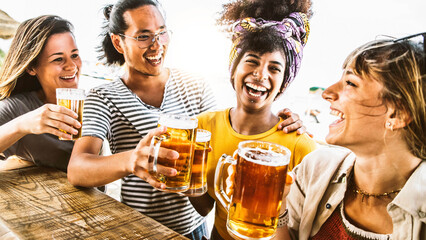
(43, 56)
(377, 190)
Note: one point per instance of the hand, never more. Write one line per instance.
(292, 122)
(288, 181)
(229, 189)
(49, 118)
(138, 164)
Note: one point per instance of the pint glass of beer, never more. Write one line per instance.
(198, 185)
(180, 136)
(260, 176)
(71, 98)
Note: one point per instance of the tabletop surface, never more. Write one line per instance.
(39, 203)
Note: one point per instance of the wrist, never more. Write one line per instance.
(283, 219)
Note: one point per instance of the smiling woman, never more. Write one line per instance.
(43, 57)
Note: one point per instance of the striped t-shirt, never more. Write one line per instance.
(113, 112)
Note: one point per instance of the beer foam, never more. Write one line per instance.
(265, 157)
(203, 136)
(70, 93)
(178, 122)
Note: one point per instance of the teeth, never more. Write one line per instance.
(255, 95)
(68, 77)
(338, 114)
(256, 87)
(155, 58)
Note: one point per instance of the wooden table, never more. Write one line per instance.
(39, 203)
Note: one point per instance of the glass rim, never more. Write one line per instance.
(285, 151)
(205, 136)
(169, 120)
(70, 92)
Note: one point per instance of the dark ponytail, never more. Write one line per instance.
(115, 24)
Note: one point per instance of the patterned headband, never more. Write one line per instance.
(294, 31)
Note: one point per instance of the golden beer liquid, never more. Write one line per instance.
(182, 141)
(199, 166)
(76, 106)
(257, 198)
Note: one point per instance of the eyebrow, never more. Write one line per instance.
(61, 53)
(257, 57)
(349, 72)
(149, 31)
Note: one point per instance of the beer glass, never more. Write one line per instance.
(71, 98)
(180, 136)
(198, 185)
(260, 176)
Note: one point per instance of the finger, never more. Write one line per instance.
(60, 125)
(290, 178)
(284, 113)
(146, 141)
(65, 118)
(235, 154)
(229, 186)
(289, 125)
(167, 171)
(151, 180)
(59, 134)
(62, 110)
(231, 170)
(168, 154)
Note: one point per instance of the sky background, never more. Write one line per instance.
(337, 27)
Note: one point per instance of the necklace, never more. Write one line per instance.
(364, 194)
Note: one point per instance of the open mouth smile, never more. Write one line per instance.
(69, 77)
(155, 60)
(255, 90)
(341, 116)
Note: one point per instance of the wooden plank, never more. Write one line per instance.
(39, 203)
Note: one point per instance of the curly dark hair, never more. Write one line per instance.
(274, 10)
(267, 40)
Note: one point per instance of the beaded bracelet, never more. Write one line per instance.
(283, 219)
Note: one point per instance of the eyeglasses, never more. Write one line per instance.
(147, 39)
(418, 39)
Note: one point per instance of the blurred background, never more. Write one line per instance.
(198, 46)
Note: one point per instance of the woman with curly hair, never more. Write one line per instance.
(268, 39)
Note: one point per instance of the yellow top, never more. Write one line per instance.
(225, 140)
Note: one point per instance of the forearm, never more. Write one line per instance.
(88, 169)
(10, 133)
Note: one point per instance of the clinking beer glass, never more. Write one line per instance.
(71, 98)
(260, 176)
(180, 136)
(198, 185)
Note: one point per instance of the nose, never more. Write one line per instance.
(261, 73)
(155, 42)
(330, 94)
(70, 64)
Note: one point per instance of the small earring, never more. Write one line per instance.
(389, 125)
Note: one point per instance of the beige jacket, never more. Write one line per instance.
(320, 187)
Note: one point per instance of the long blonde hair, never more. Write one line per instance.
(29, 41)
(400, 67)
